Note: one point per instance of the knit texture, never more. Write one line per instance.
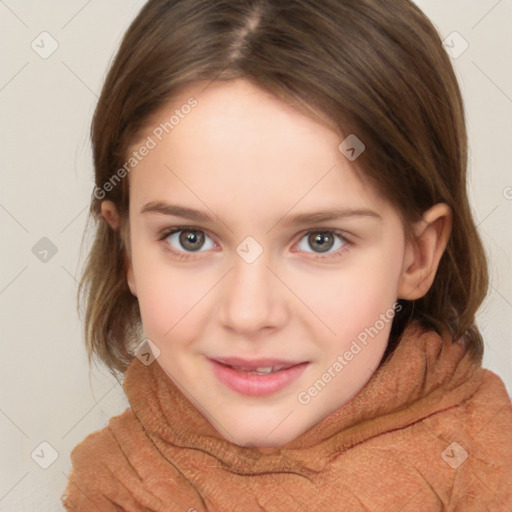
(430, 431)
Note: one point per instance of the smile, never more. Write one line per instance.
(259, 381)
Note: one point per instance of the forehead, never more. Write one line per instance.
(242, 143)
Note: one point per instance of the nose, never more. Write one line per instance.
(254, 299)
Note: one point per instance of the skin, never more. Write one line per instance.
(250, 162)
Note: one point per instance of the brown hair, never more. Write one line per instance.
(375, 68)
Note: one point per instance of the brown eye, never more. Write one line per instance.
(324, 243)
(191, 240)
(321, 240)
(187, 239)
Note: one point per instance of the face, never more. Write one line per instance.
(231, 257)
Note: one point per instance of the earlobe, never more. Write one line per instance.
(130, 278)
(422, 257)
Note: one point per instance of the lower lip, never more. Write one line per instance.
(253, 384)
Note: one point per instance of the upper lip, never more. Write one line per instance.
(256, 363)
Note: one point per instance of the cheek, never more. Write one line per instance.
(157, 290)
(170, 299)
(354, 297)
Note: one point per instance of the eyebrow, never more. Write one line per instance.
(163, 208)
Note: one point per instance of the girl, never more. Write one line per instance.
(286, 269)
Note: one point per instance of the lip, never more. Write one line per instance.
(254, 363)
(251, 384)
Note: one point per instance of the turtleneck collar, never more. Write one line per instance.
(424, 374)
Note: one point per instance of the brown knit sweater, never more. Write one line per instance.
(430, 431)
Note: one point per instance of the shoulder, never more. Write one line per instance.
(89, 481)
(475, 440)
(100, 468)
(128, 466)
(487, 415)
(98, 447)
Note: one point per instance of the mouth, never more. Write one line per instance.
(258, 366)
(261, 370)
(257, 377)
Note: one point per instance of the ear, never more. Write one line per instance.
(110, 214)
(422, 256)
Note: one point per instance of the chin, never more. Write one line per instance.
(259, 440)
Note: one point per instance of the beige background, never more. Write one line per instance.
(47, 392)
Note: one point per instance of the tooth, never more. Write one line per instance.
(264, 370)
(259, 371)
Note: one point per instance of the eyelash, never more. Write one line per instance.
(187, 256)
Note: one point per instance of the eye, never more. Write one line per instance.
(183, 241)
(186, 239)
(323, 241)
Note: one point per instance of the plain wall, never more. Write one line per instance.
(46, 104)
